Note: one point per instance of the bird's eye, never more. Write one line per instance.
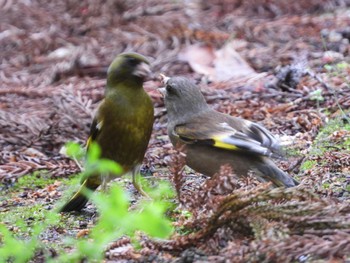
(132, 61)
(172, 89)
(169, 88)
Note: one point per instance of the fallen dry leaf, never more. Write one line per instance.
(200, 58)
(230, 65)
(83, 233)
(218, 65)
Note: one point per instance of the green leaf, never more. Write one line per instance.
(108, 166)
(342, 65)
(316, 95)
(152, 221)
(93, 153)
(74, 150)
(16, 250)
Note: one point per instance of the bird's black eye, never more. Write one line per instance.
(172, 89)
(133, 61)
(169, 88)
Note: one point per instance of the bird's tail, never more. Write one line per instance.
(275, 175)
(79, 199)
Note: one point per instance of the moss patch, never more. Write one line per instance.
(328, 157)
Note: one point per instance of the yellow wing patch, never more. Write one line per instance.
(220, 144)
(88, 141)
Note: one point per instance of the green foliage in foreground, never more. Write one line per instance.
(115, 220)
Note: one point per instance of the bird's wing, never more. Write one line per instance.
(95, 129)
(252, 138)
(262, 135)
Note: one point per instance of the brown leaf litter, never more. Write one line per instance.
(52, 77)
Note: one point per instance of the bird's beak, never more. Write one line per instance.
(164, 79)
(162, 91)
(142, 70)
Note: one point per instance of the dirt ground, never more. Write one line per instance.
(279, 63)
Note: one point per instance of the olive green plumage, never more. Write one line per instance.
(212, 139)
(123, 122)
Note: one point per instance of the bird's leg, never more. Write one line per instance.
(104, 182)
(78, 163)
(136, 182)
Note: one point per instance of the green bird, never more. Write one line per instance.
(122, 125)
(211, 139)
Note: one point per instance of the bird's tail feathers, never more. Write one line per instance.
(79, 199)
(275, 175)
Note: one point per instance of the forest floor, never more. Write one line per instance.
(284, 65)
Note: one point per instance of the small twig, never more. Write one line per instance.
(149, 11)
(298, 162)
(316, 77)
(330, 89)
